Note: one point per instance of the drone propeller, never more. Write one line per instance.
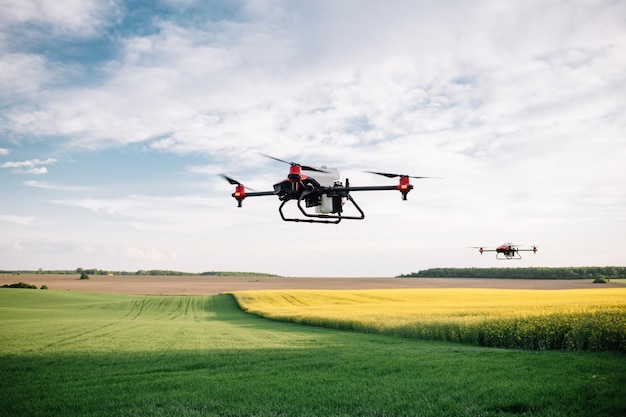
(234, 182)
(230, 180)
(388, 175)
(303, 167)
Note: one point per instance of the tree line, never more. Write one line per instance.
(583, 272)
(151, 272)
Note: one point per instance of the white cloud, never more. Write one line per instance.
(28, 164)
(4, 151)
(22, 74)
(76, 17)
(204, 92)
(32, 171)
(31, 167)
(57, 187)
(160, 213)
(21, 220)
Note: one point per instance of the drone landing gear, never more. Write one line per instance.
(321, 218)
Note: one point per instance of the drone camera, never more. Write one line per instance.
(337, 204)
(313, 201)
(284, 187)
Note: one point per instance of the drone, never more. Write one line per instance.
(507, 251)
(320, 191)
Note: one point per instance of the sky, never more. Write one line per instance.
(117, 117)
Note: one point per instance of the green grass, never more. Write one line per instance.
(82, 354)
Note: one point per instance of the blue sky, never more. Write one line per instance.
(117, 117)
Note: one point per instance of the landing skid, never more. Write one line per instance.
(321, 218)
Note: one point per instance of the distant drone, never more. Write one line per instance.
(507, 251)
(320, 189)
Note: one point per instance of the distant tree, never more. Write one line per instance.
(20, 285)
(83, 275)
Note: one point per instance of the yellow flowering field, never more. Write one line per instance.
(580, 319)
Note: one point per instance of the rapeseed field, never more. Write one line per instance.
(581, 319)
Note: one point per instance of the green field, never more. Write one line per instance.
(83, 354)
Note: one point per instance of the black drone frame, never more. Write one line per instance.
(508, 253)
(307, 192)
(302, 188)
(337, 193)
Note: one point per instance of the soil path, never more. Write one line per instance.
(205, 285)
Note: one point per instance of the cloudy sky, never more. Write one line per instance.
(117, 117)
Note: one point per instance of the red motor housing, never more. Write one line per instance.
(295, 173)
(239, 194)
(405, 186)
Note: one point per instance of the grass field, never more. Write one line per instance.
(581, 319)
(66, 353)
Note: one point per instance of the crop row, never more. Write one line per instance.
(528, 319)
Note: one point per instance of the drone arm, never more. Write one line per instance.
(367, 188)
(260, 193)
(240, 194)
(403, 188)
(534, 249)
(482, 249)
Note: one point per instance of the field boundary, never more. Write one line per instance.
(209, 285)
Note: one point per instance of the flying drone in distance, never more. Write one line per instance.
(507, 251)
(320, 191)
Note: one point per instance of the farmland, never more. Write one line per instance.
(584, 319)
(83, 353)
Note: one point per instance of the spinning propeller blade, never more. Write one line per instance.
(303, 167)
(230, 180)
(388, 175)
(233, 181)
